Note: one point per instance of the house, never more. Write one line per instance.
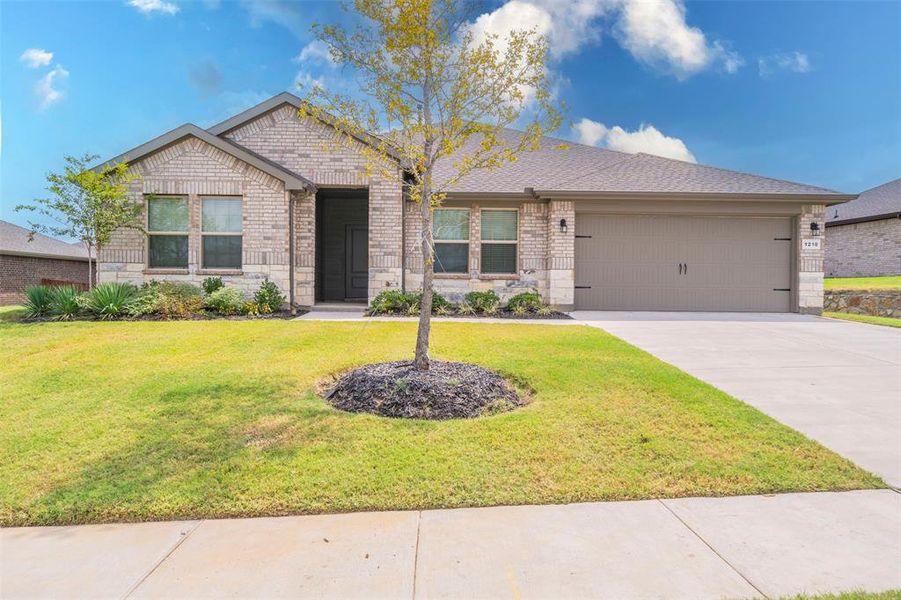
(266, 194)
(27, 261)
(865, 234)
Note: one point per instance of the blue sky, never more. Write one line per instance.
(805, 91)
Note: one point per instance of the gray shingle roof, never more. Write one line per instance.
(879, 202)
(580, 168)
(14, 240)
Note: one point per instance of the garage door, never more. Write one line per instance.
(663, 262)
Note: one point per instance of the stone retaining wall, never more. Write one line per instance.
(885, 303)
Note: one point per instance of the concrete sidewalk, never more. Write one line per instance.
(739, 547)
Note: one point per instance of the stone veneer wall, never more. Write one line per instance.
(532, 254)
(317, 152)
(193, 168)
(880, 303)
(868, 249)
(810, 261)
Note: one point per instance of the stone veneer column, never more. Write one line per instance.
(304, 248)
(810, 260)
(561, 254)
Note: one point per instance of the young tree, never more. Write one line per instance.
(433, 84)
(87, 204)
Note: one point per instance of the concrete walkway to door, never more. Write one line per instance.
(836, 381)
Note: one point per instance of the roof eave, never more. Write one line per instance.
(292, 181)
(880, 217)
(828, 199)
(43, 255)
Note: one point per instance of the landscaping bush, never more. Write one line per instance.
(226, 301)
(37, 301)
(109, 299)
(169, 299)
(268, 298)
(525, 302)
(483, 302)
(251, 309)
(211, 284)
(390, 302)
(395, 302)
(64, 302)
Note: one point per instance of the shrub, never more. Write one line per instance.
(465, 308)
(545, 311)
(519, 310)
(108, 300)
(483, 302)
(526, 302)
(226, 301)
(268, 298)
(171, 299)
(390, 302)
(395, 302)
(211, 284)
(37, 300)
(251, 309)
(64, 301)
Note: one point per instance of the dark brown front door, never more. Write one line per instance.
(356, 254)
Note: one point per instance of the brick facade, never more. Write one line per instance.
(20, 272)
(194, 168)
(867, 249)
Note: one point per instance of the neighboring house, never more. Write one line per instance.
(268, 195)
(865, 234)
(25, 262)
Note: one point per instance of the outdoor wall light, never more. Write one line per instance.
(563, 227)
(814, 229)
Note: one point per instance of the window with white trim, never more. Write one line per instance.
(450, 230)
(167, 229)
(500, 231)
(221, 227)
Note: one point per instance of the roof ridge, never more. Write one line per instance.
(733, 171)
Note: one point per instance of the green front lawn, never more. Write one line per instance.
(892, 282)
(885, 321)
(12, 312)
(162, 420)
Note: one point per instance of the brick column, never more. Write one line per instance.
(810, 259)
(561, 254)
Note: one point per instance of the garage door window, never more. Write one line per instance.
(499, 241)
(451, 233)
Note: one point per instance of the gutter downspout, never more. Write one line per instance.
(291, 252)
(403, 238)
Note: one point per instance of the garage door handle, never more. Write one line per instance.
(685, 269)
(680, 268)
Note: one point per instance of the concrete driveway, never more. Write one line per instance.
(836, 381)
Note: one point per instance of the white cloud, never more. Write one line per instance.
(290, 14)
(656, 33)
(316, 51)
(151, 6)
(646, 138)
(46, 88)
(36, 57)
(305, 82)
(589, 132)
(796, 62)
(567, 24)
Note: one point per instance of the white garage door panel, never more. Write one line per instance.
(631, 262)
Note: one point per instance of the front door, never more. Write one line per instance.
(356, 256)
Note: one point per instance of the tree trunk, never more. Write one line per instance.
(421, 361)
(90, 268)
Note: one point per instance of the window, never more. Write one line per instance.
(499, 233)
(167, 228)
(451, 233)
(220, 233)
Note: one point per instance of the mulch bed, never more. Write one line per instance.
(448, 390)
(501, 314)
